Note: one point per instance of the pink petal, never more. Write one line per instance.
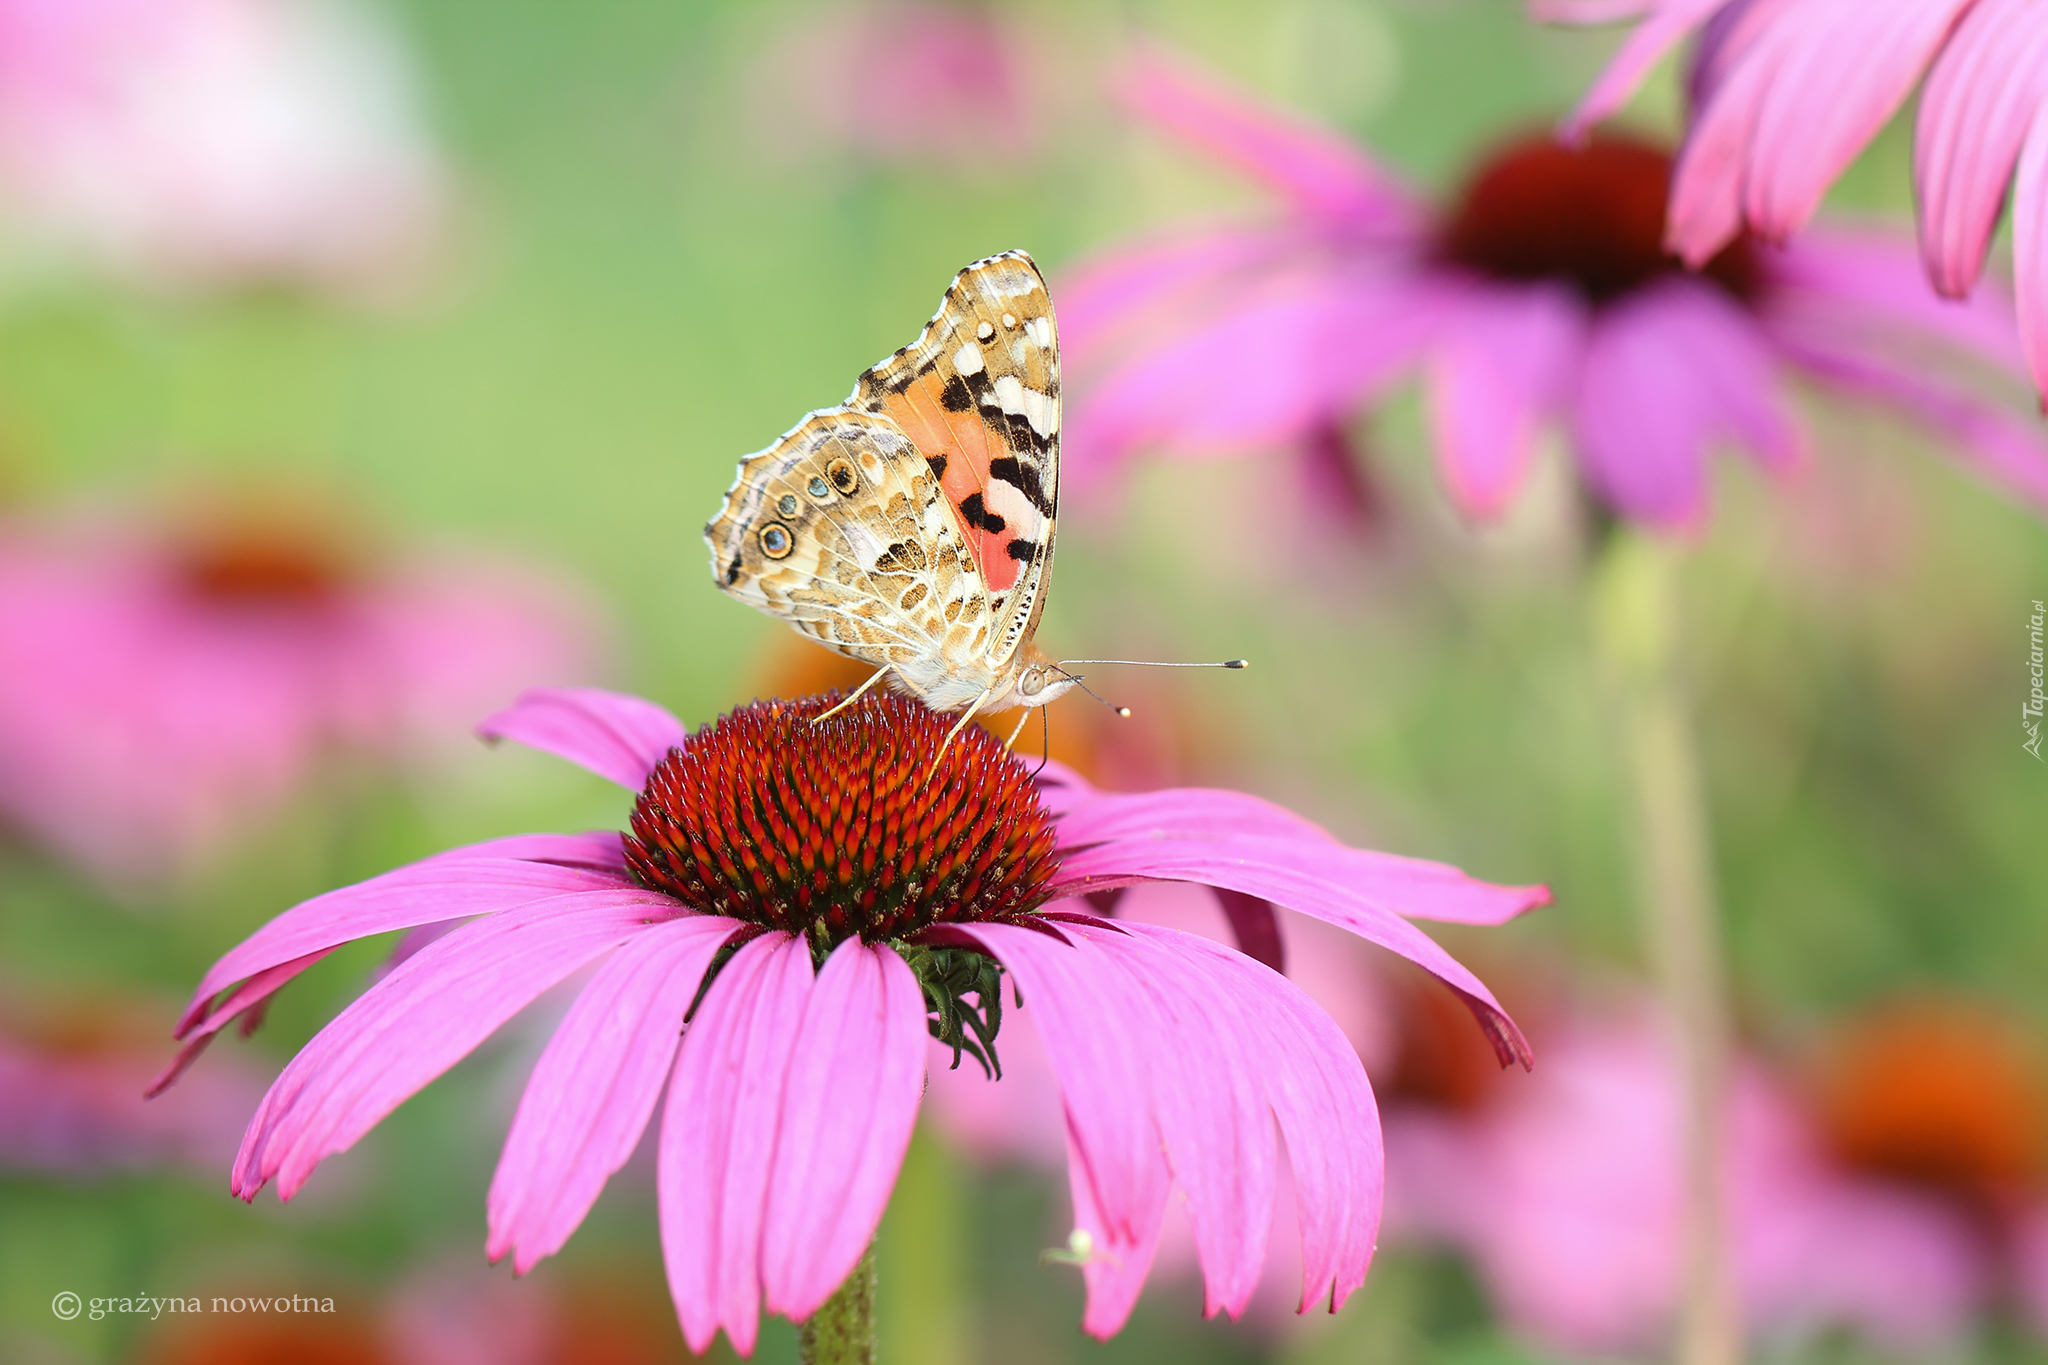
(1209, 1089)
(1667, 24)
(1844, 72)
(1098, 1030)
(1864, 284)
(594, 1087)
(419, 1021)
(1322, 172)
(1667, 372)
(1706, 208)
(2006, 449)
(718, 1135)
(1412, 887)
(1984, 93)
(1180, 812)
(1329, 883)
(1490, 383)
(1118, 1263)
(1324, 1105)
(1268, 371)
(614, 735)
(847, 1111)
(2030, 248)
(1109, 298)
(447, 886)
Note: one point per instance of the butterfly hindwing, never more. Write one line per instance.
(978, 393)
(840, 529)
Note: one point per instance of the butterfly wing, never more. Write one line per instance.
(840, 528)
(978, 393)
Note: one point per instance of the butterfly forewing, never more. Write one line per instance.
(979, 394)
(913, 526)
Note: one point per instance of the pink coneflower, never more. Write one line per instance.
(164, 687)
(1786, 94)
(216, 141)
(1566, 1193)
(834, 899)
(1541, 294)
(901, 82)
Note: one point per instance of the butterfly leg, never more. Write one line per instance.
(858, 693)
(954, 733)
(1011, 742)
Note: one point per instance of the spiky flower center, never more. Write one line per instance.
(1590, 216)
(853, 826)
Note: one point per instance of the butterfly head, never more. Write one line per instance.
(1042, 681)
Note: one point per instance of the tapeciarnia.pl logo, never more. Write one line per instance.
(2030, 711)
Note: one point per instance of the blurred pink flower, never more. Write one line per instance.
(72, 1077)
(858, 897)
(1565, 1191)
(903, 81)
(217, 141)
(1541, 294)
(1787, 93)
(162, 691)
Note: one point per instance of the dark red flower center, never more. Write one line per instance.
(853, 826)
(1941, 1095)
(263, 554)
(1592, 216)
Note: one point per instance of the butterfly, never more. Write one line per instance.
(912, 526)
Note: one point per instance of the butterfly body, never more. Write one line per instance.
(912, 526)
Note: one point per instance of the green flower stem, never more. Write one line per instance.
(1639, 633)
(842, 1332)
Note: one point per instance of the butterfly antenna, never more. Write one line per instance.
(1155, 663)
(1075, 679)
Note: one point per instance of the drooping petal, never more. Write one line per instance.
(594, 1087)
(1666, 373)
(1321, 171)
(447, 886)
(1984, 93)
(1215, 1120)
(1097, 1029)
(2030, 248)
(1490, 383)
(422, 1019)
(1865, 285)
(848, 1107)
(1845, 70)
(613, 734)
(1324, 1105)
(1118, 297)
(1706, 204)
(718, 1134)
(1663, 29)
(1330, 883)
(2009, 450)
(1266, 371)
(1117, 1264)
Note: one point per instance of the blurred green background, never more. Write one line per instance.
(641, 288)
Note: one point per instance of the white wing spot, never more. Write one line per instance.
(1034, 406)
(1040, 332)
(1009, 319)
(985, 331)
(967, 360)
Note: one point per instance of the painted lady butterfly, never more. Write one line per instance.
(911, 527)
